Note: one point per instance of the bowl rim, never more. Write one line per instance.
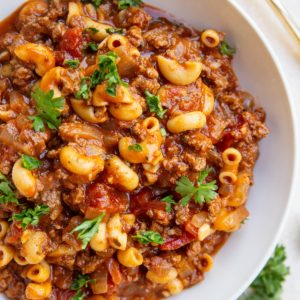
(295, 147)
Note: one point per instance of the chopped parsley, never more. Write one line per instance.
(29, 162)
(96, 3)
(92, 46)
(72, 63)
(145, 237)
(163, 132)
(85, 88)
(31, 216)
(226, 49)
(108, 72)
(268, 284)
(114, 30)
(49, 110)
(123, 4)
(92, 29)
(169, 201)
(7, 194)
(135, 147)
(87, 229)
(81, 281)
(154, 104)
(201, 192)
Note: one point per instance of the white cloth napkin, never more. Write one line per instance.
(287, 49)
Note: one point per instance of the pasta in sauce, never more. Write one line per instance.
(127, 151)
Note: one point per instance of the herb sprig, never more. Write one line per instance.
(268, 284)
(123, 4)
(226, 49)
(31, 215)
(200, 191)
(49, 109)
(81, 281)
(7, 193)
(115, 30)
(96, 3)
(84, 89)
(154, 104)
(145, 237)
(87, 229)
(30, 162)
(169, 200)
(72, 63)
(108, 72)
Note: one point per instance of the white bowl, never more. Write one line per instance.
(242, 257)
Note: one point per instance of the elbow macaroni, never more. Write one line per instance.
(39, 273)
(99, 240)
(231, 158)
(162, 277)
(119, 174)
(3, 228)
(130, 257)
(116, 237)
(6, 255)
(187, 121)
(210, 38)
(24, 180)
(38, 291)
(179, 74)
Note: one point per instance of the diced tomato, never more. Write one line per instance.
(14, 234)
(72, 42)
(178, 242)
(145, 200)
(102, 198)
(192, 229)
(226, 142)
(114, 271)
(59, 58)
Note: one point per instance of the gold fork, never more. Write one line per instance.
(286, 17)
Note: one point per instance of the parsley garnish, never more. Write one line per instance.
(92, 29)
(226, 49)
(107, 71)
(92, 46)
(145, 237)
(122, 4)
(201, 192)
(163, 132)
(31, 216)
(135, 147)
(29, 162)
(96, 3)
(87, 229)
(49, 109)
(7, 194)
(169, 201)
(268, 284)
(72, 63)
(154, 104)
(114, 30)
(80, 282)
(84, 90)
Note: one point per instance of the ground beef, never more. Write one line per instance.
(133, 16)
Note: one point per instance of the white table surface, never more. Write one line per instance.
(287, 50)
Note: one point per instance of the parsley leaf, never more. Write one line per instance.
(29, 162)
(145, 237)
(226, 49)
(80, 282)
(84, 90)
(114, 30)
(31, 216)
(96, 3)
(169, 201)
(7, 194)
(72, 63)
(92, 46)
(49, 109)
(135, 147)
(154, 104)
(201, 192)
(87, 229)
(123, 4)
(268, 284)
(107, 71)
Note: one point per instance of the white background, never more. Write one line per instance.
(287, 49)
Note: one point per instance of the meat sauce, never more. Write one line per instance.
(134, 200)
